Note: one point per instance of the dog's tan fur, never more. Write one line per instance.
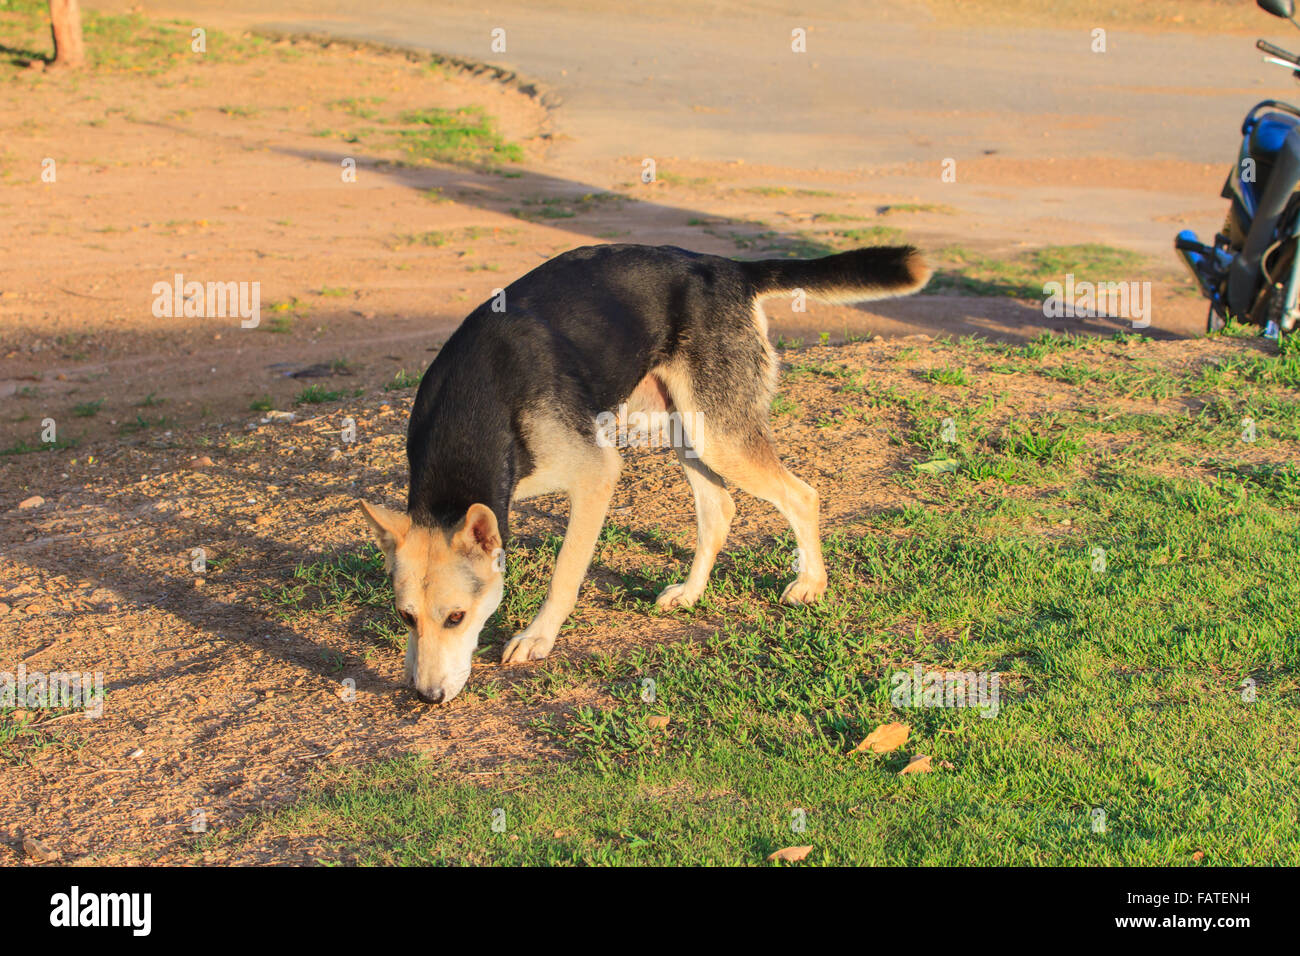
(436, 574)
(586, 474)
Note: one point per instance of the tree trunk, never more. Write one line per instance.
(65, 24)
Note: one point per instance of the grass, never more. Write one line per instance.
(122, 42)
(339, 587)
(1139, 606)
(1041, 446)
(947, 376)
(871, 235)
(402, 380)
(912, 207)
(362, 108)
(22, 447)
(281, 317)
(433, 239)
(319, 395)
(1022, 276)
(784, 191)
(1111, 686)
(808, 245)
(436, 239)
(463, 136)
(19, 735)
(784, 406)
(676, 179)
(555, 207)
(141, 423)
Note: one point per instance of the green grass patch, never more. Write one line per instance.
(318, 395)
(128, 42)
(20, 736)
(402, 380)
(947, 376)
(917, 207)
(1161, 692)
(143, 423)
(1023, 275)
(871, 235)
(341, 586)
(771, 191)
(463, 136)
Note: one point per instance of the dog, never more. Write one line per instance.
(511, 408)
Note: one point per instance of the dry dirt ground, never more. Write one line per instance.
(232, 172)
(217, 170)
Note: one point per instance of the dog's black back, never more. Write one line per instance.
(577, 334)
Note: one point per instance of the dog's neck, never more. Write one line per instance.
(440, 494)
(462, 442)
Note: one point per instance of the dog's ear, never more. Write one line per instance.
(389, 527)
(479, 533)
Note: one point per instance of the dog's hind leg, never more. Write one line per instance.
(594, 471)
(724, 411)
(714, 510)
(751, 462)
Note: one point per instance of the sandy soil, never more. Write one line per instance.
(227, 179)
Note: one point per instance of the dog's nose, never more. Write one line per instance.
(433, 697)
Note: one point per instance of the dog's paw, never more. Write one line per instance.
(527, 647)
(676, 595)
(803, 591)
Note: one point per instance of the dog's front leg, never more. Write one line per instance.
(588, 503)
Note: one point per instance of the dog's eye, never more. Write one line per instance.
(407, 616)
(454, 618)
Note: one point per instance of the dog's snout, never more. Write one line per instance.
(433, 696)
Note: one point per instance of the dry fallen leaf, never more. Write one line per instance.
(918, 764)
(1198, 855)
(940, 466)
(791, 854)
(39, 851)
(657, 721)
(885, 738)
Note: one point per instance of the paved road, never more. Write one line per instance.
(719, 80)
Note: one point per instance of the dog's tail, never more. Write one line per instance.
(877, 272)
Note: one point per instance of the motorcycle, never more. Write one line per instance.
(1252, 271)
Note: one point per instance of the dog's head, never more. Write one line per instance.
(447, 583)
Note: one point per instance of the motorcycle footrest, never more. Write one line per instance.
(1193, 245)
